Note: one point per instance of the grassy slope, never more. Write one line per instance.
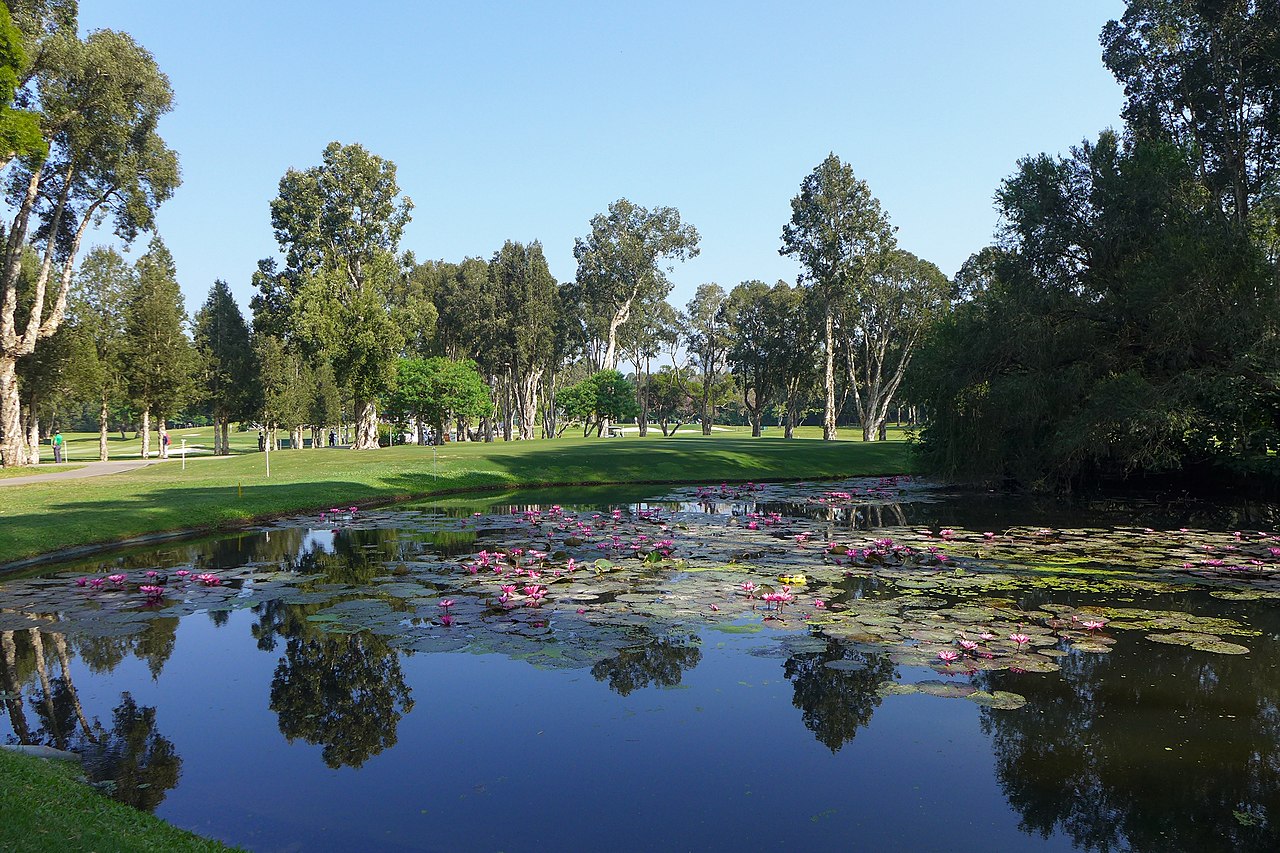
(44, 808)
(41, 517)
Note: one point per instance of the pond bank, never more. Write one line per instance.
(42, 523)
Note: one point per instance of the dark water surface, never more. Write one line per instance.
(315, 698)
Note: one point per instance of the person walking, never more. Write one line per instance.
(57, 446)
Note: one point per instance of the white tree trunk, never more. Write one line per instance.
(103, 415)
(366, 426)
(146, 433)
(33, 438)
(829, 381)
(13, 450)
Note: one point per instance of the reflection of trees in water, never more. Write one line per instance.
(835, 703)
(343, 692)
(661, 662)
(1137, 749)
(141, 763)
(132, 754)
(154, 646)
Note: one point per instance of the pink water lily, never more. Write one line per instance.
(445, 603)
(948, 655)
(117, 579)
(819, 603)
(1093, 624)
(446, 620)
(208, 579)
(182, 573)
(82, 581)
(96, 583)
(968, 645)
(1020, 639)
(150, 591)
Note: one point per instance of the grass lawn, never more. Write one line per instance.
(41, 517)
(45, 808)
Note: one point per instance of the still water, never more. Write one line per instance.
(602, 679)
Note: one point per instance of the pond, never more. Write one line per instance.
(875, 664)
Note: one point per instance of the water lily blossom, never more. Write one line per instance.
(1020, 639)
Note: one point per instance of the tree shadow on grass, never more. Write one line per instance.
(78, 521)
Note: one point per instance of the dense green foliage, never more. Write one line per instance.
(1126, 321)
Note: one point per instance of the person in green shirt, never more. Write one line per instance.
(57, 446)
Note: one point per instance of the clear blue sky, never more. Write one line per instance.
(523, 120)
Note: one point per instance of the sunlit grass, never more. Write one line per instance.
(40, 517)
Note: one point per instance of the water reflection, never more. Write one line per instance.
(660, 663)
(134, 762)
(344, 693)
(1141, 748)
(835, 690)
(1130, 751)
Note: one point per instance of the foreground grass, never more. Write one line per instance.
(40, 517)
(45, 808)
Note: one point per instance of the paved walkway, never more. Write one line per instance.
(90, 469)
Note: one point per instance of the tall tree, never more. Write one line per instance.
(624, 260)
(1203, 74)
(883, 323)
(104, 285)
(225, 363)
(157, 353)
(339, 225)
(435, 390)
(840, 235)
(708, 343)
(99, 100)
(751, 355)
(642, 338)
(529, 303)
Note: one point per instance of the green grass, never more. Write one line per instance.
(212, 493)
(6, 473)
(45, 808)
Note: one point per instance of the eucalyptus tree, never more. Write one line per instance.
(339, 225)
(795, 350)
(708, 343)
(98, 100)
(751, 354)
(158, 358)
(1205, 76)
(528, 300)
(225, 363)
(624, 261)
(19, 128)
(882, 326)
(841, 236)
(641, 340)
(103, 287)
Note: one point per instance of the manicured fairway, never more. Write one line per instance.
(41, 517)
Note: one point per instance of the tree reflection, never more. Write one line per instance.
(343, 692)
(835, 703)
(141, 763)
(661, 662)
(1145, 749)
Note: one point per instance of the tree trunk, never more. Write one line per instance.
(146, 433)
(756, 416)
(13, 450)
(33, 434)
(103, 415)
(46, 688)
(527, 403)
(226, 437)
(295, 438)
(12, 689)
(829, 380)
(366, 426)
